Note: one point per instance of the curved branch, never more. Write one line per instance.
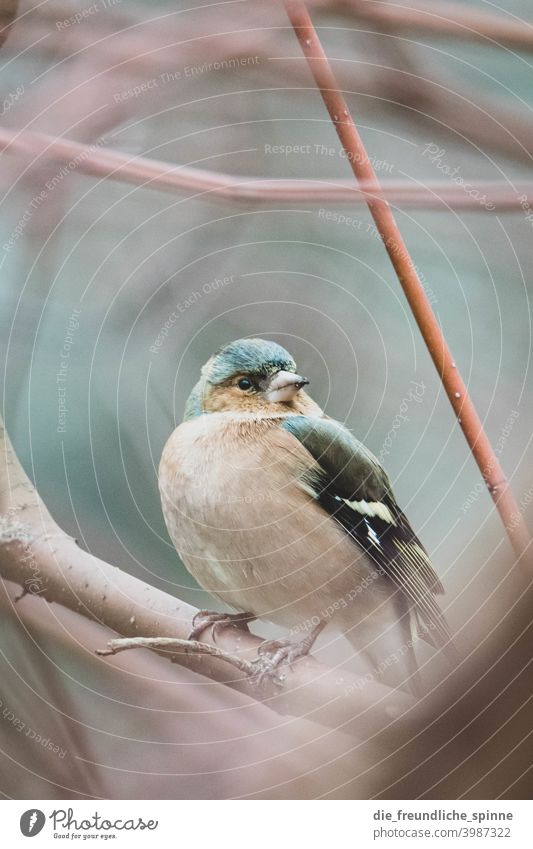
(46, 562)
(115, 646)
(446, 19)
(495, 195)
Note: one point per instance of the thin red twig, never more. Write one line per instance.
(453, 383)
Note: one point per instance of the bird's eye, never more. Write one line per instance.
(244, 384)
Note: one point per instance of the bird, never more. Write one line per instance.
(279, 511)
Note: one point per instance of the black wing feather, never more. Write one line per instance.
(353, 488)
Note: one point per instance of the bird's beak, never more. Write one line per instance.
(283, 386)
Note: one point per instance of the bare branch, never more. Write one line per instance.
(125, 58)
(115, 646)
(150, 173)
(446, 19)
(38, 555)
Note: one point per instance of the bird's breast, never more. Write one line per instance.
(242, 521)
(230, 475)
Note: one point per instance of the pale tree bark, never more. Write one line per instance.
(36, 554)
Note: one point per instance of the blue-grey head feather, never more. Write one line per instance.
(247, 356)
(244, 356)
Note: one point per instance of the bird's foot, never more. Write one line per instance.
(217, 622)
(272, 654)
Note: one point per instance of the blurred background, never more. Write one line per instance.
(114, 294)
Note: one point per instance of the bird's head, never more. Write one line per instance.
(250, 376)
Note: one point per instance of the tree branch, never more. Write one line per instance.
(46, 562)
(445, 20)
(164, 176)
(115, 646)
(124, 53)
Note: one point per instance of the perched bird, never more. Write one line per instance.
(282, 513)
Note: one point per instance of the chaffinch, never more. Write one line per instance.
(282, 513)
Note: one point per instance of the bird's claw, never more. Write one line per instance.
(265, 671)
(272, 654)
(218, 622)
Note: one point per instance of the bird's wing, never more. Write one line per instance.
(353, 487)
